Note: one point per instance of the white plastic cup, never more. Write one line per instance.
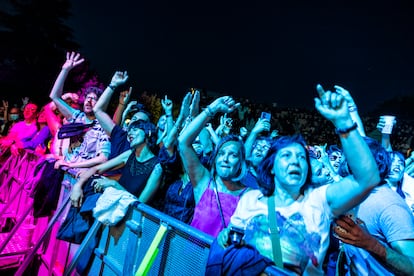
(389, 123)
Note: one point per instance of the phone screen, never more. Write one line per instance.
(266, 116)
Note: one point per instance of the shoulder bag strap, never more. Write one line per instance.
(219, 204)
(274, 232)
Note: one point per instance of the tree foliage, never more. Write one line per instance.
(34, 41)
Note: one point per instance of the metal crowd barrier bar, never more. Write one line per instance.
(148, 242)
(181, 249)
(15, 173)
(28, 259)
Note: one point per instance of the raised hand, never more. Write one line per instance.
(25, 101)
(261, 125)
(194, 108)
(345, 93)
(167, 105)
(224, 104)
(72, 60)
(185, 106)
(119, 78)
(333, 107)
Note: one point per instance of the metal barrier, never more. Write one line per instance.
(183, 250)
(16, 205)
(147, 242)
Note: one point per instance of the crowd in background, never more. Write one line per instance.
(219, 157)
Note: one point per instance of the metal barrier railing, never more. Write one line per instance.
(148, 242)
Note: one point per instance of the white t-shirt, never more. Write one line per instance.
(304, 227)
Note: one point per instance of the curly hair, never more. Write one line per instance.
(92, 89)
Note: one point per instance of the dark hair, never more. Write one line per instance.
(265, 177)
(381, 156)
(243, 167)
(399, 184)
(148, 128)
(263, 138)
(333, 148)
(92, 89)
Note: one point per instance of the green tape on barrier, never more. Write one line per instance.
(152, 252)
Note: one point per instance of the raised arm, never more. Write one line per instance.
(385, 137)
(196, 171)
(123, 100)
(349, 191)
(261, 125)
(167, 105)
(100, 107)
(353, 110)
(171, 138)
(72, 60)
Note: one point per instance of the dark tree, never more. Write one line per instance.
(34, 41)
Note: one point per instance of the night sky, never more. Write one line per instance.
(269, 51)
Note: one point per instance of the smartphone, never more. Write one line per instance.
(266, 116)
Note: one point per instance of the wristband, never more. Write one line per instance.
(112, 86)
(352, 108)
(344, 131)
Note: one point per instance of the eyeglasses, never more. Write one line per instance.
(261, 147)
(91, 98)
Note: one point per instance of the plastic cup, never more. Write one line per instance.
(26, 233)
(389, 123)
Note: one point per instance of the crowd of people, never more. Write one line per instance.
(220, 164)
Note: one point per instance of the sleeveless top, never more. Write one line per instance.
(135, 174)
(207, 216)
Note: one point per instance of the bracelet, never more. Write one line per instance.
(209, 112)
(352, 108)
(345, 131)
(112, 86)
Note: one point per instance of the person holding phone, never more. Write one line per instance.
(256, 145)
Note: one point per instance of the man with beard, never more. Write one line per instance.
(93, 147)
